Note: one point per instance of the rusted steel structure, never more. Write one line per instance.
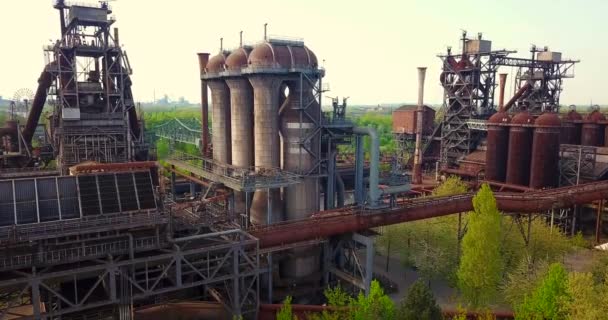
(497, 141)
(353, 219)
(592, 133)
(571, 127)
(520, 149)
(545, 152)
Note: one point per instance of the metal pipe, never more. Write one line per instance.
(349, 219)
(44, 83)
(374, 166)
(419, 124)
(340, 190)
(203, 59)
(519, 94)
(502, 80)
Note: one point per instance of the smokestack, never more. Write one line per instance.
(203, 59)
(417, 179)
(502, 81)
(116, 38)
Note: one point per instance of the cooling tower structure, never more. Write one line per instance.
(266, 119)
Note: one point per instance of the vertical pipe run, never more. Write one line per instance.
(374, 167)
(419, 126)
(203, 59)
(502, 78)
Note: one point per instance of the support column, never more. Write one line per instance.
(359, 163)
(241, 127)
(221, 135)
(266, 137)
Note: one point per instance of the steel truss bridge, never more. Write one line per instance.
(180, 130)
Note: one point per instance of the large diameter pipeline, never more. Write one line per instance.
(349, 220)
(44, 83)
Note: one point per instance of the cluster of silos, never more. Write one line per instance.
(592, 130)
(522, 150)
(254, 124)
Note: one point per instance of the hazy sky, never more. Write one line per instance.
(371, 48)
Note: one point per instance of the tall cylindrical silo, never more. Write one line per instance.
(571, 128)
(544, 170)
(220, 118)
(241, 110)
(520, 149)
(591, 132)
(267, 149)
(497, 143)
(497, 146)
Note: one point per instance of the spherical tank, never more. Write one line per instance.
(497, 146)
(520, 149)
(591, 132)
(571, 128)
(544, 170)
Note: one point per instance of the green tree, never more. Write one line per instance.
(523, 279)
(430, 245)
(481, 265)
(548, 299)
(285, 313)
(419, 304)
(374, 306)
(585, 298)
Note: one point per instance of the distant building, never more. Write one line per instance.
(404, 119)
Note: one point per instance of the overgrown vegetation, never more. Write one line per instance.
(418, 304)
(495, 263)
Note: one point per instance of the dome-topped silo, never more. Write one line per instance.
(520, 149)
(241, 110)
(591, 133)
(571, 127)
(220, 101)
(497, 146)
(544, 169)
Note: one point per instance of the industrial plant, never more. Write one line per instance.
(284, 196)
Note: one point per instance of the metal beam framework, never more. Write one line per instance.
(469, 81)
(235, 178)
(545, 77)
(226, 262)
(342, 259)
(576, 164)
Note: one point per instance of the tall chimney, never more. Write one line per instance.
(203, 59)
(502, 81)
(417, 176)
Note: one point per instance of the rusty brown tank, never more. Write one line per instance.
(571, 128)
(520, 149)
(591, 132)
(544, 170)
(497, 146)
